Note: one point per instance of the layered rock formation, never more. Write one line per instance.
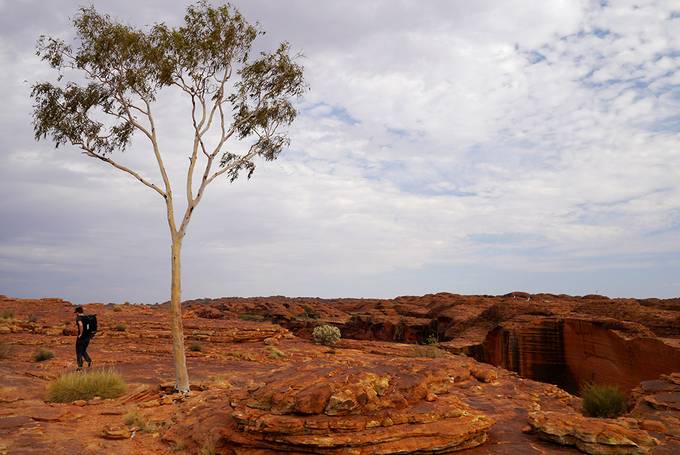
(559, 339)
(258, 388)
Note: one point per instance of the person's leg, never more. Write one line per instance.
(79, 352)
(86, 343)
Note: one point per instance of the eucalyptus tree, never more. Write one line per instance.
(108, 80)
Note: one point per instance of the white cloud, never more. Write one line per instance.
(515, 136)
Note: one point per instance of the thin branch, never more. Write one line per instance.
(92, 154)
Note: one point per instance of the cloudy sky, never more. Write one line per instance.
(471, 147)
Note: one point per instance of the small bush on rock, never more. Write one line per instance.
(43, 354)
(195, 347)
(86, 385)
(326, 334)
(601, 400)
(120, 328)
(135, 420)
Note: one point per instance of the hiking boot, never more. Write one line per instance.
(89, 364)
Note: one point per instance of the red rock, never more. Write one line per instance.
(591, 435)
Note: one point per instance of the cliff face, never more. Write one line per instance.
(570, 351)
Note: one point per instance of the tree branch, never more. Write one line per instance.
(92, 154)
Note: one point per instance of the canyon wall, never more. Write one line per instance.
(568, 352)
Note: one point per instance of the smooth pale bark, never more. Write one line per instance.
(181, 373)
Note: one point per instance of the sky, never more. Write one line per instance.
(469, 147)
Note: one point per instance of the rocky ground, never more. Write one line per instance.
(261, 387)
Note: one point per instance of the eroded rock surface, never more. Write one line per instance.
(260, 389)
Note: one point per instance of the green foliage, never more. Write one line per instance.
(32, 318)
(326, 334)
(43, 354)
(7, 314)
(120, 328)
(275, 353)
(309, 313)
(600, 400)
(117, 309)
(124, 68)
(431, 339)
(86, 385)
(195, 347)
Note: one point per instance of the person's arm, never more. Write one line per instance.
(80, 327)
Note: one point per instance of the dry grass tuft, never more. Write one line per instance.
(81, 385)
(43, 354)
(601, 400)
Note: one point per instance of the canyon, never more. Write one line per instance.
(430, 374)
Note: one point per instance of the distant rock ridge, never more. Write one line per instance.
(561, 339)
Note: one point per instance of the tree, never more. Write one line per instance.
(120, 71)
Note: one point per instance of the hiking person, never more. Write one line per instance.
(87, 327)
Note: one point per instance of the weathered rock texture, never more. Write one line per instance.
(559, 339)
(258, 388)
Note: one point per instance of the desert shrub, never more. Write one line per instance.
(600, 400)
(195, 347)
(86, 385)
(117, 309)
(326, 334)
(43, 354)
(431, 352)
(7, 314)
(309, 313)
(431, 339)
(134, 419)
(209, 446)
(5, 350)
(249, 317)
(120, 328)
(275, 353)
(32, 318)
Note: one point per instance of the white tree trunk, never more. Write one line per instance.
(181, 373)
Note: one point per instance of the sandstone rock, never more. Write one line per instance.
(591, 435)
(653, 425)
(116, 432)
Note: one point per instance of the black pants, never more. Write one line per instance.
(81, 351)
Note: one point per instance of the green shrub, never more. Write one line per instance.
(117, 309)
(5, 350)
(32, 318)
(7, 314)
(326, 334)
(195, 347)
(86, 385)
(600, 400)
(43, 354)
(275, 353)
(120, 328)
(309, 313)
(431, 339)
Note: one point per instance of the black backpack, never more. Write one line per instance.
(89, 324)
